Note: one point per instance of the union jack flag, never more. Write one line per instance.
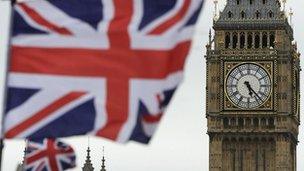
(49, 155)
(104, 67)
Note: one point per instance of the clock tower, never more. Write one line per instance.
(252, 103)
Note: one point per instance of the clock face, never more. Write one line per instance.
(248, 85)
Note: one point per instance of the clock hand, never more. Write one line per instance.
(257, 95)
(252, 91)
(249, 88)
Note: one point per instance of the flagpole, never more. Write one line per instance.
(6, 82)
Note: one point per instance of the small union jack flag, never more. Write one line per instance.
(104, 67)
(49, 155)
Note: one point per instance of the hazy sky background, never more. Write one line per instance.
(181, 142)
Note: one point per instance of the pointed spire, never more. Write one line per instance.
(210, 37)
(103, 167)
(284, 5)
(24, 154)
(215, 9)
(290, 15)
(88, 165)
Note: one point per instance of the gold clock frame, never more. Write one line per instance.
(268, 105)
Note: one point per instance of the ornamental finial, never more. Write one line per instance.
(215, 9)
(284, 5)
(103, 167)
(290, 15)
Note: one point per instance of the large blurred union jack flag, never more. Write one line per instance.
(48, 155)
(102, 67)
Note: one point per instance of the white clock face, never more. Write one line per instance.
(248, 86)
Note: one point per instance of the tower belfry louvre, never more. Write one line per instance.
(252, 98)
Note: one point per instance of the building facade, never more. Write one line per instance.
(252, 98)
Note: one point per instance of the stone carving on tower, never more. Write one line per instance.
(252, 98)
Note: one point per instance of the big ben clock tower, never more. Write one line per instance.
(252, 103)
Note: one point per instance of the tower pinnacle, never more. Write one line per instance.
(290, 15)
(284, 5)
(103, 167)
(88, 165)
(215, 9)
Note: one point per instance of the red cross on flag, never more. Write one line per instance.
(104, 67)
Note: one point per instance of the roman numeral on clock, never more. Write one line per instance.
(263, 77)
(262, 93)
(240, 71)
(264, 85)
(231, 85)
(235, 93)
(241, 99)
(257, 99)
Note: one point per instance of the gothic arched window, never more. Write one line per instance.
(264, 40)
(272, 40)
(256, 122)
(234, 40)
(270, 14)
(230, 14)
(250, 42)
(271, 122)
(251, 2)
(226, 122)
(227, 40)
(264, 1)
(247, 122)
(241, 122)
(258, 14)
(243, 14)
(232, 122)
(263, 121)
(242, 39)
(257, 40)
(238, 2)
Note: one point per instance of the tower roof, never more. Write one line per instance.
(88, 165)
(250, 9)
(252, 14)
